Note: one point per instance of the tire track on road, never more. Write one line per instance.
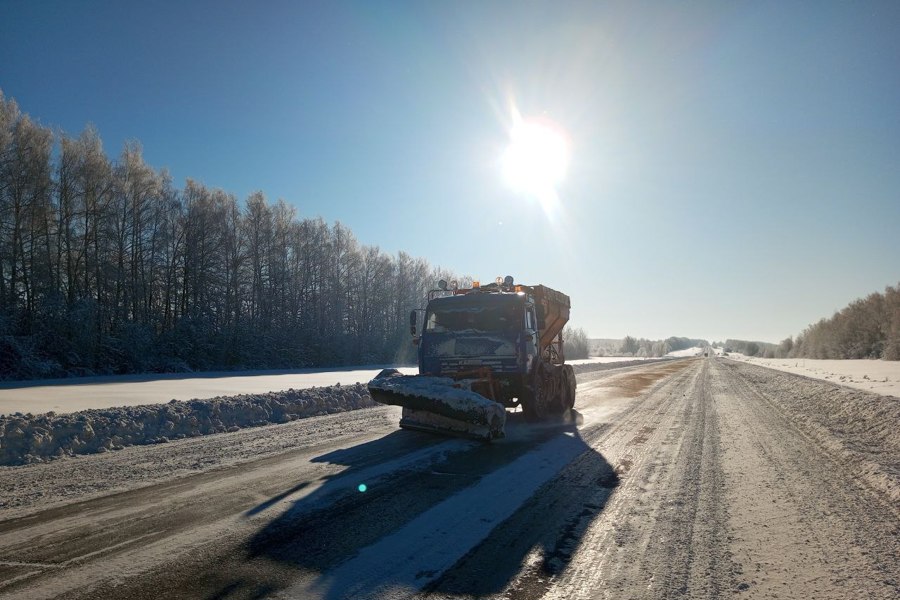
(811, 529)
(553, 529)
(662, 534)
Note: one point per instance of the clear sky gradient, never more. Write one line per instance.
(735, 166)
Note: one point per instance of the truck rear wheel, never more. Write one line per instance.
(546, 396)
(568, 387)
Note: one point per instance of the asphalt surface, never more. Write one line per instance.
(679, 479)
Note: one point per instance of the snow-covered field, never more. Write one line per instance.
(877, 376)
(71, 395)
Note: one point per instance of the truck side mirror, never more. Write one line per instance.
(412, 323)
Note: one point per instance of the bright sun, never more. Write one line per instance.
(537, 157)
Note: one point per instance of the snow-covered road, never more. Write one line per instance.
(655, 493)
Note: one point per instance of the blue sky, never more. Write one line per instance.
(735, 166)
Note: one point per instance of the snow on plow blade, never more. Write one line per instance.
(439, 404)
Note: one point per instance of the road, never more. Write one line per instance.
(684, 479)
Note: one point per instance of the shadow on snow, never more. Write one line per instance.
(422, 491)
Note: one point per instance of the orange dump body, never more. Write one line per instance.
(553, 314)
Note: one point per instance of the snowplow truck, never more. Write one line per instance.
(482, 350)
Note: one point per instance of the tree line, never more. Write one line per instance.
(654, 348)
(107, 267)
(866, 328)
(752, 348)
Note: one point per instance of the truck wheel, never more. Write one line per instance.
(568, 387)
(546, 397)
(534, 402)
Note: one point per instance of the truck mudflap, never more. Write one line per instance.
(440, 404)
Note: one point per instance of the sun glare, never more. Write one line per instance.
(536, 159)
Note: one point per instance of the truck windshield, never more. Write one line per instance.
(475, 319)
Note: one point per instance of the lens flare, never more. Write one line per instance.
(362, 487)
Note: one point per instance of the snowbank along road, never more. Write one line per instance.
(696, 478)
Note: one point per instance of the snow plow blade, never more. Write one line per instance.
(440, 404)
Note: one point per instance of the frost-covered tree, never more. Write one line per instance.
(866, 328)
(576, 343)
(106, 266)
(785, 347)
(629, 346)
(661, 348)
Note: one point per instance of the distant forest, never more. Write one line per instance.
(655, 348)
(107, 268)
(867, 328)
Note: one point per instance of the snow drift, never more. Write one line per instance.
(860, 426)
(28, 438)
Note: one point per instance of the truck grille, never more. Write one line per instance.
(497, 365)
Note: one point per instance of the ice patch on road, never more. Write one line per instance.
(427, 546)
(323, 492)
